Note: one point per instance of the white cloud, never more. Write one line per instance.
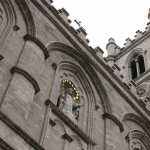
(102, 19)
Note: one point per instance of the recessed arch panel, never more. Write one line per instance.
(83, 59)
(8, 19)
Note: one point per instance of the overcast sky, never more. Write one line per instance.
(103, 19)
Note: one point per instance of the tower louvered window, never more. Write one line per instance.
(137, 66)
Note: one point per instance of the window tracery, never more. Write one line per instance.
(137, 66)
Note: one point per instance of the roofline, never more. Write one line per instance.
(133, 45)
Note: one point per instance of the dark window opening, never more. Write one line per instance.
(141, 64)
(133, 69)
(137, 66)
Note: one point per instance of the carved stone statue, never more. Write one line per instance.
(68, 101)
(65, 103)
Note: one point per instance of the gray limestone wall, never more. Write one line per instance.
(28, 78)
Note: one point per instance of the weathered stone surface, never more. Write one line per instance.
(27, 123)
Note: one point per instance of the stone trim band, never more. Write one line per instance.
(28, 37)
(27, 76)
(69, 122)
(114, 119)
(20, 132)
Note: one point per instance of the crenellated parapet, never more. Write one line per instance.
(81, 32)
(128, 42)
(99, 52)
(64, 15)
(138, 34)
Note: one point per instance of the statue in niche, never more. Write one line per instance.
(68, 100)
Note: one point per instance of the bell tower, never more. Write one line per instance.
(133, 63)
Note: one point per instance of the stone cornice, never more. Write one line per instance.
(27, 76)
(19, 132)
(69, 123)
(28, 37)
(114, 119)
(110, 58)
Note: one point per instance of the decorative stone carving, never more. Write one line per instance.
(137, 140)
(141, 92)
(68, 100)
(135, 145)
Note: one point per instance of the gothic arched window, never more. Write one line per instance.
(137, 66)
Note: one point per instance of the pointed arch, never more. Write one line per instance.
(140, 136)
(84, 60)
(139, 121)
(10, 19)
(27, 15)
(81, 76)
(136, 64)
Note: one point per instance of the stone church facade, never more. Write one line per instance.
(58, 93)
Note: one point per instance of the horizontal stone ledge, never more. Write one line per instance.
(114, 119)
(4, 145)
(70, 123)
(28, 37)
(14, 127)
(27, 76)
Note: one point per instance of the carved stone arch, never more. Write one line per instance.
(138, 52)
(84, 60)
(84, 88)
(27, 15)
(139, 121)
(139, 137)
(134, 52)
(82, 78)
(10, 19)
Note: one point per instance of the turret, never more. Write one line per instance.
(111, 47)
